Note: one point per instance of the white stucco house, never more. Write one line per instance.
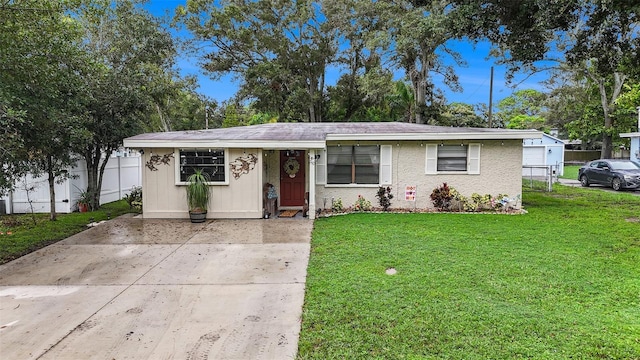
(540, 153)
(327, 161)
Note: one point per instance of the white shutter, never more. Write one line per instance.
(473, 159)
(321, 167)
(431, 163)
(386, 177)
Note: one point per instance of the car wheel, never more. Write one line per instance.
(616, 184)
(584, 181)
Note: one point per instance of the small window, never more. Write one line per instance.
(353, 165)
(452, 158)
(210, 161)
(464, 159)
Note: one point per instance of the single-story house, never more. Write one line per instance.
(541, 153)
(325, 162)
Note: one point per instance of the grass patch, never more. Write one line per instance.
(562, 281)
(571, 172)
(19, 235)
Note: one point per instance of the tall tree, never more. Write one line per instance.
(278, 49)
(417, 36)
(524, 109)
(133, 51)
(462, 115)
(41, 89)
(596, 37)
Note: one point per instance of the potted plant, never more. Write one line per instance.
(198, 193)
(84, 199)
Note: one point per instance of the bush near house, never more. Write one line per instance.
(559, 282)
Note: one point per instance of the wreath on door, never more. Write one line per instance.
(291, 167)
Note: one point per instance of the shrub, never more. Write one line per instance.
(384, 196)
(336, 206)
(362, 204)
(134, 198)
(460, 202)
(441, 197)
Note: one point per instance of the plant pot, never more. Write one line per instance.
(82, 207)
(198, 216)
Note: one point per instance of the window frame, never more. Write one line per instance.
(354, 165)
(384, 168)
(225, 166)
(472, 160)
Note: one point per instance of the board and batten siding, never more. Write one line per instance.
(240, 198)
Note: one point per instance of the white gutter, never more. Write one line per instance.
(630, 135)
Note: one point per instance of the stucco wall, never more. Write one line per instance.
(162, 198)
(500, 173)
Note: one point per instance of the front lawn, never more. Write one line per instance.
(19, 235)
(562, 281)
(571, 172)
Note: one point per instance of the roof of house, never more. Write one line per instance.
(315, 135)
(630, 135)
(544, 139)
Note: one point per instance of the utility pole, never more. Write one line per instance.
(206, 116)
(491, 97)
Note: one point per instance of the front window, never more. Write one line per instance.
(210, 161)
(353, 164)
(452, 158)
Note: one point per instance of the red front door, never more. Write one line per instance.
(292, 173)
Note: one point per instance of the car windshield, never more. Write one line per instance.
(624, 165)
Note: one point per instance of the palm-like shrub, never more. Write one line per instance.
(198, 191)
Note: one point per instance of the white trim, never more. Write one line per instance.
(312, 184)
(501, 135)
(630, 135)
(321, 168)
(176, 157)
(235, 144)
(473, 160)
(352, 185)
(386, 165)
(431, 159)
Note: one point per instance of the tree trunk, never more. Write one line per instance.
(92, 157)
(608, 107)
(52, 189)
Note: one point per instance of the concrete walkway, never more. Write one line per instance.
(159, 289)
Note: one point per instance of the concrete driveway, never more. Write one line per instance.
(159, 289)
(576, 183)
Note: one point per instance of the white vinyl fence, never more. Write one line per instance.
(120, 176)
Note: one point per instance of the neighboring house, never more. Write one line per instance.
(540, 153)
(330, 161)
(634, 148)
(123, 171)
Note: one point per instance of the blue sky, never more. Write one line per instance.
(474, 78)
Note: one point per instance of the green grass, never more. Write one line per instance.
(562, 281)
(19, 235)
(571, 172)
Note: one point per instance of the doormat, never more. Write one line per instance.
(288, 213)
